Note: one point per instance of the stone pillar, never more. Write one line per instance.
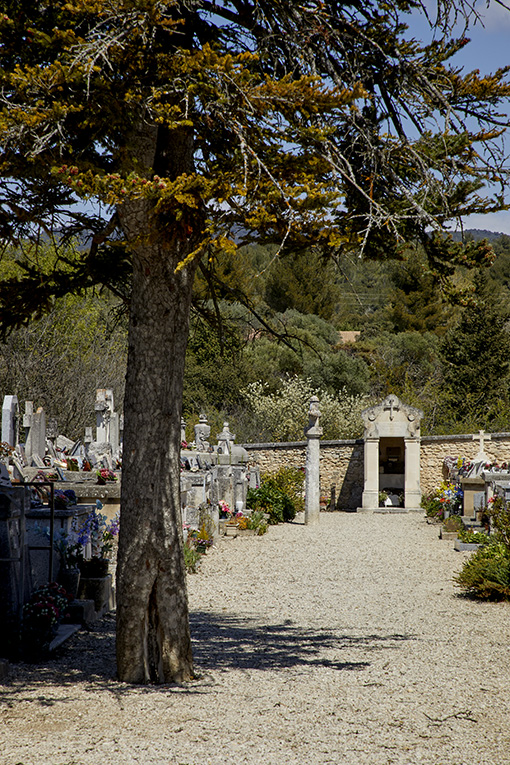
(370, 499)
(10, 420)
(412, 489)
(313, 432)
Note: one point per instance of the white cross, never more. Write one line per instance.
(482, 437)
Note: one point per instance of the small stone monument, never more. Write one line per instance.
(225, 440)
(10, 417)
(202, 433)
(35, 444)
(313, 432)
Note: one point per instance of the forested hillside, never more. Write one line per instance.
(273, 335)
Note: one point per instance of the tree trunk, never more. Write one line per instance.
(153, 638)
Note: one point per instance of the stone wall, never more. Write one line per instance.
(342, 461)
(435, 448)
(341, 466)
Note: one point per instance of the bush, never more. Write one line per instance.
(272, 500)
(282, 416)
(486, 574)
(290, 480)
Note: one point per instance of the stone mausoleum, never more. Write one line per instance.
(392, 454)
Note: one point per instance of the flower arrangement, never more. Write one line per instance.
(99, 533)
(41, 616)
(227, 512)
(445, 500)
(255, 522)
(69, 546)
(105, 475)
(464, 466)
(494, 466)
(6, 450)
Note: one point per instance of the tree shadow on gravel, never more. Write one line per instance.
(222, 642)
(88, 658)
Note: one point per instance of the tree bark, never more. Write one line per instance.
(153, 638)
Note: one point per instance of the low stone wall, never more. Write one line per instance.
(434, 449)
(341, 463)
(341, 466)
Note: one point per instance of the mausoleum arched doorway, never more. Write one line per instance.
(392, 452)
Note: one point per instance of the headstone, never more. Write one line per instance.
(10, 416)
(202, 433)
(481, 437)
(225, 440)
(51, 428)
(313, 432)
(36, 437)
(64, 444)
(104, 409)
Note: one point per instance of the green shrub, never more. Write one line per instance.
(273, 501)
(290, 480)
(486, 574)
(192, 558)
(473, 537)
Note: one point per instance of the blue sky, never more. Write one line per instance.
(488, 50)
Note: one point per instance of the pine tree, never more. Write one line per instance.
(162, 133)
(475, 358)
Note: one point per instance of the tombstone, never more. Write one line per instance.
(473, 481)
(10, 418)
(392, 453)
(115, 432)
(104, 409)
(225, 440)
(202, 433)
(35, 445)
(313, 432)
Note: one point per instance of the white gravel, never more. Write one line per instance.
(340, 643)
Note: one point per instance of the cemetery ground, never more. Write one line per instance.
(342, 642)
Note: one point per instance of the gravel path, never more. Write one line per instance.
(340, 643)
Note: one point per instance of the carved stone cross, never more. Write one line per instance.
(482, 437)
(390, 407)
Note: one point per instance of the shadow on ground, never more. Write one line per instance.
(222, 642)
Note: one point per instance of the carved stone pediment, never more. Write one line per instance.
(392, 418)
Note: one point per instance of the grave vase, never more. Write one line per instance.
(69, 578)
(94, 567)
(96, 588)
